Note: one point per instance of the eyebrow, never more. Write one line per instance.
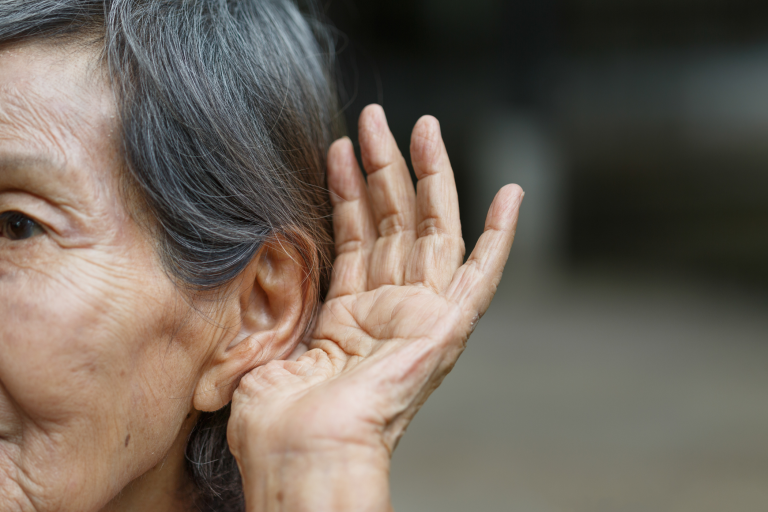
(36, 173)
(12, 160)
(35, 162)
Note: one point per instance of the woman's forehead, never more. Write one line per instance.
(52, 91)
(54, 109)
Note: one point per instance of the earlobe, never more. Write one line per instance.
(274, 305)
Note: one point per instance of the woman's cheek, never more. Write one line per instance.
(10, 420)
(79, 341)
(46, 344)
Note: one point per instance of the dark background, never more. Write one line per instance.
(656, 111)
(623, 365)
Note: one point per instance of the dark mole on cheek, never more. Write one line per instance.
(127, 440)
(188, 415)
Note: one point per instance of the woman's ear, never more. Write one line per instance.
(274, 301)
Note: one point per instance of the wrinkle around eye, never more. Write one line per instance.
(38, 210)
(67, 222)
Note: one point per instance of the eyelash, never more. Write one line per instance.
(16, 226)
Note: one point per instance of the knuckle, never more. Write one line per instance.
(349, 246)
(392, 224)
(430, 226)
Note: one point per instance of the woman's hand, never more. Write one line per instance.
(316, 432)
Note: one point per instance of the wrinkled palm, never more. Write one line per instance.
(401, 305)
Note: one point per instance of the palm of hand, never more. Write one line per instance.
(400, 309)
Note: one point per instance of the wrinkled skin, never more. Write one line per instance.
(105, 363)
(316, 432)
(95, 354)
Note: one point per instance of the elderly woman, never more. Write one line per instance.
(171, 336)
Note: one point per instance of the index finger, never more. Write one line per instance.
(353, 227)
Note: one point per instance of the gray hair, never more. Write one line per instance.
(227, 108)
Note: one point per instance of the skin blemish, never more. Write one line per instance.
(127, 440)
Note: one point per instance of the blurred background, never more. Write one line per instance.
(624, 363)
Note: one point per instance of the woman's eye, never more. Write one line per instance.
(17, 226)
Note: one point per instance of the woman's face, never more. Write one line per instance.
(99, 353)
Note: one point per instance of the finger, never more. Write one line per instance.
(476, 281)
(392, 199)
(353, 227)
(439, 248)
(297, 352)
